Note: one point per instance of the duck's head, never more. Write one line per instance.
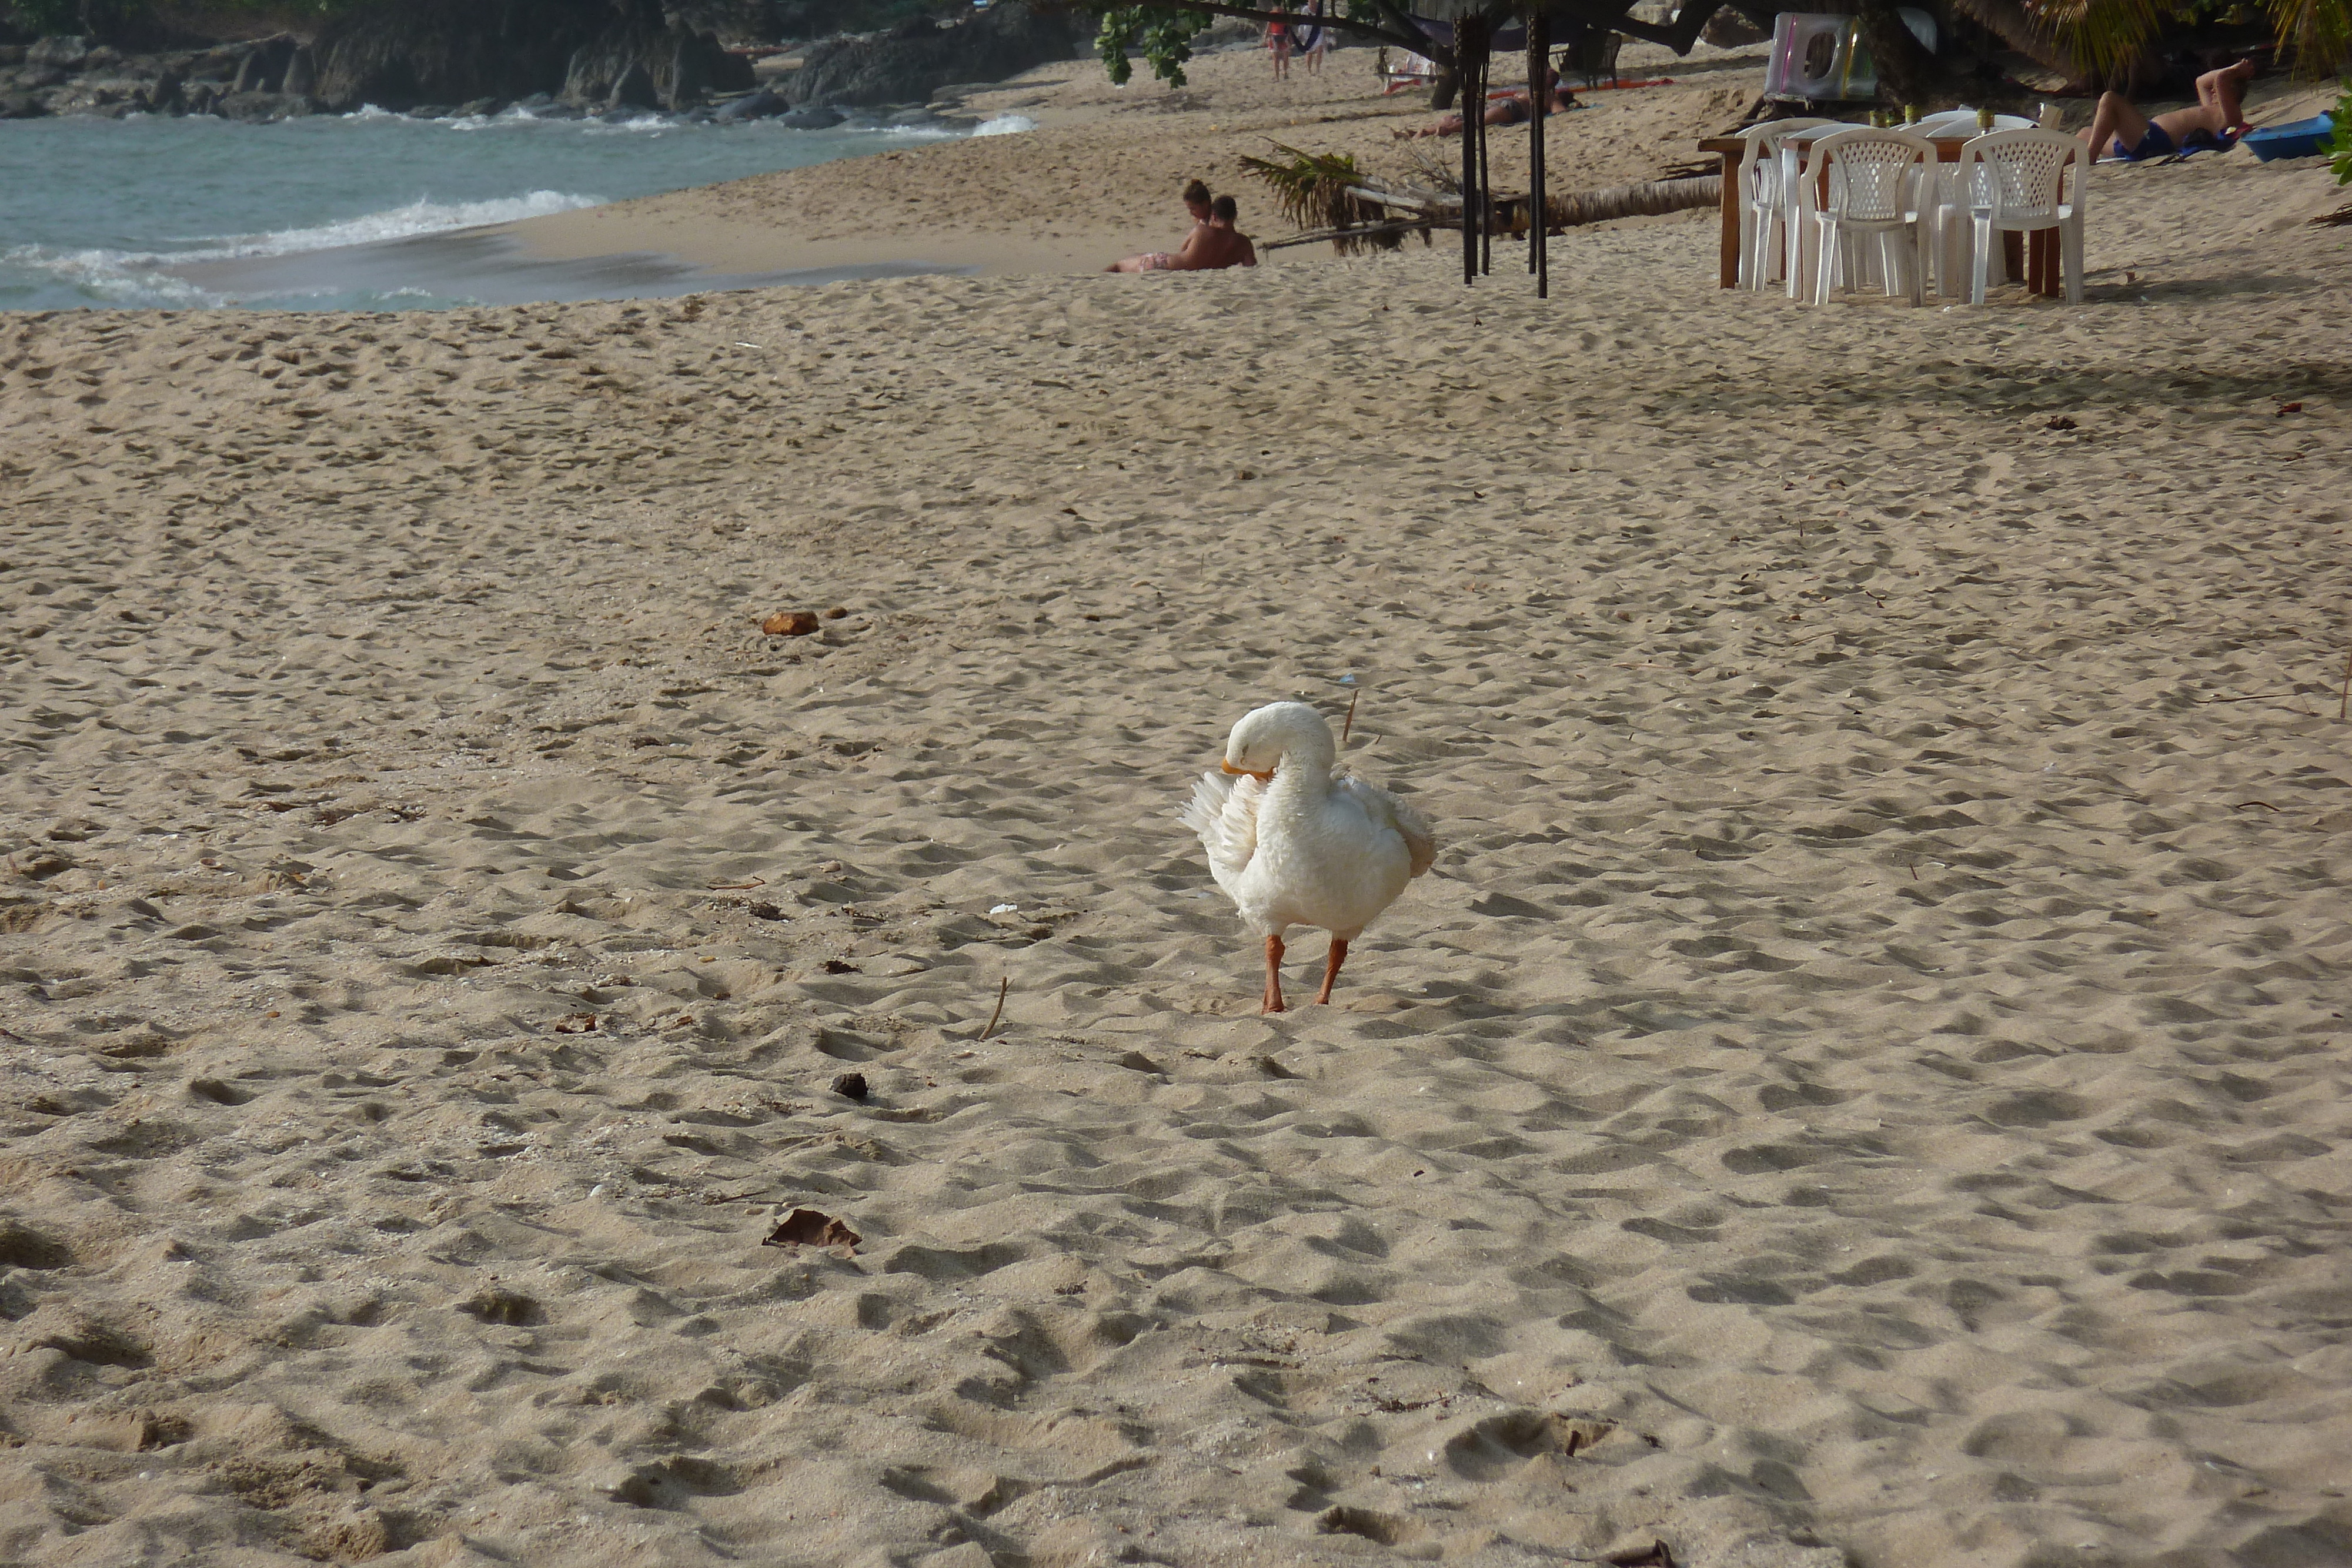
(1279, 732)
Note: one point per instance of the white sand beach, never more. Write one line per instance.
(1865, 1084)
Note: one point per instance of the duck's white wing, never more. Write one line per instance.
(1223, 811)
(1387, 810)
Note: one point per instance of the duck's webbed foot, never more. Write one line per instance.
(1331, 962)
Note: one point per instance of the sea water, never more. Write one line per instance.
(109, 212)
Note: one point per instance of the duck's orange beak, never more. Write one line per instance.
(1245, 773)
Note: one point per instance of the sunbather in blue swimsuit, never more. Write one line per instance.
(2159, 143)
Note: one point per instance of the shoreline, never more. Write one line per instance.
(678, 225)
(494, 266)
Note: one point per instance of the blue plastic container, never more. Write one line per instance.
(2302, 138)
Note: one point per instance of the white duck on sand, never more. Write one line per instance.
(1293, 845)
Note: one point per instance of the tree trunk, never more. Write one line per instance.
(1907, 72)
(2011, 23)
(1648, 198)
(1443, 87)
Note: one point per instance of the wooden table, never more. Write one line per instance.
(2037, 264)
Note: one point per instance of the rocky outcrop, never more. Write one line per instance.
(449, 51)
(263, 69)
(906, 63)
(652, 68)
(585, 55)
(757, 105)
(60, 54)
(71, 76)
(620, 54)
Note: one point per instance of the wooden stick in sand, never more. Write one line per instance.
(1003, 985)
(1348, 728)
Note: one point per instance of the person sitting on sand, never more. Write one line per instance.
(2118, 130)
(1225, 240)
(1509, 109)
(1196, 201)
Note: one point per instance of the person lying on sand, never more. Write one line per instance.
(1509, 109)
(1196, 201)
(2120, 131)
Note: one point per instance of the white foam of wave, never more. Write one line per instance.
(420, 217)
(139, 279)
(112, 278)
(645, 121)
(920, 132)
(1004, 125)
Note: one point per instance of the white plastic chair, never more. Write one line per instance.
(1873, 182)
(1962, 121)
(2015, 181)
(1944, 221)
(1763, 202)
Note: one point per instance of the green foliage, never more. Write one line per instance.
(2107, 35)
(2339, 146)
(1163, 31)
(1316, 189)
(2317, 32)
(47, 18)
(1163, 35)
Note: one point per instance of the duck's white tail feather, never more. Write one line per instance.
(1223, 811)
(1420, 838)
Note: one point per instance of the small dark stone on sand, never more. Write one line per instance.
(850, 1086)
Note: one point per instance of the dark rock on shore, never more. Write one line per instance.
(563, 58)
(446, 51)
(653, 68)
(757, 105)
(68, 76)
(263, 69)
(61, 54)
(912, 62)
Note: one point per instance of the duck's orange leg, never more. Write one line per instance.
(1331, 962)
(1273, 975)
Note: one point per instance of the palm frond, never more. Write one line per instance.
(1317, 190)
(2104, 36)
(2316, 33)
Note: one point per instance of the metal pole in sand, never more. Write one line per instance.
(1467, 48)
(1539, 110)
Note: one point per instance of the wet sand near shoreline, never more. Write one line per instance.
(1865, 1084)
(487, 267)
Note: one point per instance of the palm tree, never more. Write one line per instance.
(2102, 38)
